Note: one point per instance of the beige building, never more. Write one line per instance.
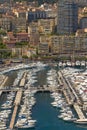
(55, 44)
(69, 45)
(6, 23)
(46, 26)
(33, 28)
(19, 24)
(33, 33)
(19, 52)
(43, 48)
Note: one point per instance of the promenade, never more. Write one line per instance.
(3, 83)
(16, 105)
(22, 82)
(79, 111)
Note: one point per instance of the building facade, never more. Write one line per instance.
(35, 15)
(67, 17)
(69, 45)
(43, 48)
(6, 23)
(46, 26)
(83, 23)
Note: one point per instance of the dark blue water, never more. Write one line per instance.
(46, 116)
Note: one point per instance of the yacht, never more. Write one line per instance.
(69, 119)
(81, 121)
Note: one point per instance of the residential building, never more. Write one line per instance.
(6, 23)
(10, 40)
(81, 32)
(56, 44)
(81, 3)
(22, 37)
(33, 28)
(46, 26)
(83, 23)
(81, 45)
(35, 15)
(19, 25)
(33, 33)
(51, 13)
(20, 14)
(43, 48)
(44, 39)
(69, 45)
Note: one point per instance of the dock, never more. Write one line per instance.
(67, 97)
(71, 96)
(3, 83)
(16, 103)
(66, 89)
(22, 82)
(79, 111)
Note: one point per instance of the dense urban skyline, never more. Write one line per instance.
(47, 30)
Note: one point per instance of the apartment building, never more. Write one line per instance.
(46, 26)
(67, 45)
(67, 17)
(83, 23)
(43, 48)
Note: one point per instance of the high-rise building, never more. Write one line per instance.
(67, 17)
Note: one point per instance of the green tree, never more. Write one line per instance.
(2, 46)
(2, 32)
(21, 44)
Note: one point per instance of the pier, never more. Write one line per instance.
(16, 103)
(79, 111)
(22, 82)
(71, 97)
(3, 83)
(66, 90)
(67, 97)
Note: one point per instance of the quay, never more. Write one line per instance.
(79, 111)
(16, 103)
(22, 82)
(74, 92)
(67, 97)
(3, 83)
(66, 90)
(72, 98)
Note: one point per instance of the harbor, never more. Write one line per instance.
(62, 91)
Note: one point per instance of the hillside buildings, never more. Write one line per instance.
(52, 29)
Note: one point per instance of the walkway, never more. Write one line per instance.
(3, 83)
(16, 103)
(22, 82)
(79, 111)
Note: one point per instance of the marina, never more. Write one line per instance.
(60, 86)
